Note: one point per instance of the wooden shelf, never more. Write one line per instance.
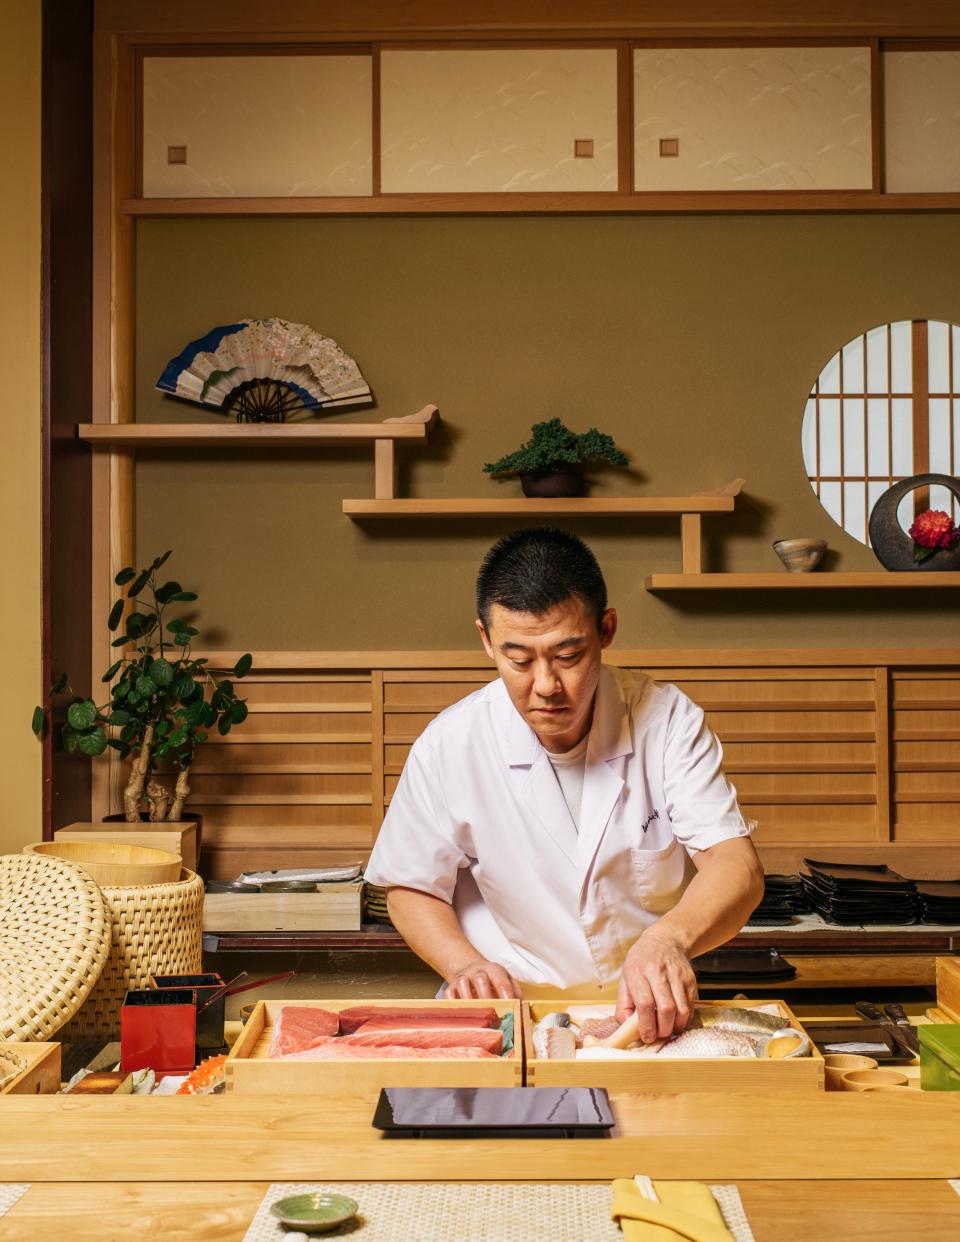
(255, 435)
(592, 506)
(801, 582)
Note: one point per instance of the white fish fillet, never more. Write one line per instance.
(552, 1042)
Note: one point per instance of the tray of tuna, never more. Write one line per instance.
(335, 1045)
(738, 1045)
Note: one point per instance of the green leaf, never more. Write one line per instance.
(145, 687)
(82, 715)
(111, 671)
(161, 672)
(116, 612)
(163, 728)
(243, 665)
(183, 597)
(135, 624)
(69, 738)
(226, 688)
(38, 721)
(167, 591)
(238, 712)
(223, 726)
(160, 559)
(125, 575)
(59, 685)
(185, 688)
(177, 623)
(121, 642)
(116, 744)
(142, 579)
(199, 737)
(181, 640)
(178, 736)
(120, 717)
(92, 743)
(121, 690)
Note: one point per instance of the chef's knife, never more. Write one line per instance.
(896, 1012)
(903, 1033)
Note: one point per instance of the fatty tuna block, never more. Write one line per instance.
(352, 1019)
(427, 1037)
(299, 1027)
(341, 1050)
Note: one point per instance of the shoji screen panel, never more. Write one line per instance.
(257, 126)
(498, 120)
(921, 96)
(752, 118)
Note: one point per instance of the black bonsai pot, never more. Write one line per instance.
(554, 483)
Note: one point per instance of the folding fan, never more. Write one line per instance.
(267, 370)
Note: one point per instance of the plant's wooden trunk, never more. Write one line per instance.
(159, 797)
(133, 794)
(180, 795)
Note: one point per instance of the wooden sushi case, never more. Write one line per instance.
(250, 1069)
(752, 1075)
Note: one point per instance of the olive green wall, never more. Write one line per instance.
(20, 616)
(692, 340)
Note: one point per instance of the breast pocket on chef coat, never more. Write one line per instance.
(659, 876)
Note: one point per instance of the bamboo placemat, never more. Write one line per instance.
(10, 1192)
(453, 1211)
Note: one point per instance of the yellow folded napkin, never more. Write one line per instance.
(686, 1210)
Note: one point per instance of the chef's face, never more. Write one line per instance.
(550, 665)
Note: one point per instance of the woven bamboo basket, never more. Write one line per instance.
(156, 930)
(54, 940)
(113, 862)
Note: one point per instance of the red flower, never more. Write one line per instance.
(934, 529)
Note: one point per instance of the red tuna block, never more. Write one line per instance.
(299, 1027)
(343, 1050)
(352, 1019)
(433, 1037)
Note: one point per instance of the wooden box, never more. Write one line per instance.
(335, 908)
(42, 1073)
(695, 1074)
(250, 1070)
(174, 838)
(948, 987)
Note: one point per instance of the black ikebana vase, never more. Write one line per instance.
(892, 546)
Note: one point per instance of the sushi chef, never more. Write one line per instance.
(566, 829)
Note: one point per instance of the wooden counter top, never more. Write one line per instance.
(778, 1211)
(705, 1137)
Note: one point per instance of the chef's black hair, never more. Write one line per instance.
(535, 569)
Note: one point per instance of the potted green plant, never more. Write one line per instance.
(552, 461)
(163, 700)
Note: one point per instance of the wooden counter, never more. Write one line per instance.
(707, 1137)
(778, 1211)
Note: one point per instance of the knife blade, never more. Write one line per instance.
(896, 1012)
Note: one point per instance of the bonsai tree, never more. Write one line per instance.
(554, 449)
(163, 700)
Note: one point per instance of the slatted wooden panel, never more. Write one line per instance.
(925, 705)
(820, 756)
(294, 783)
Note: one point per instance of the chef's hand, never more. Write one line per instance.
(482, 980)
(658, 982)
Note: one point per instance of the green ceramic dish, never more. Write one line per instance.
(314, 1213)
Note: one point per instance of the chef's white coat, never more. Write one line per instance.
(479, 820)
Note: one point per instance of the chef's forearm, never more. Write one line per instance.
(717, 902)
(431, 928)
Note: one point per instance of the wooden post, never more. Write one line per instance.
(690, 531)
(383, 470)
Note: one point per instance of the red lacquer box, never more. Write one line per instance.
(158, 1030)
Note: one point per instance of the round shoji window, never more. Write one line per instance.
(885, 407)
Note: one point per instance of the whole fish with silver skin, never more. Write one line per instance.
(690, 1044)
(740, 1021)
(315, 875)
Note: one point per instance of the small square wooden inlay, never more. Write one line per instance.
(669, 147)
(583, 148)
(176, 155)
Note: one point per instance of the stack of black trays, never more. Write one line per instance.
(853, 894)
(783, 897)
(939, 901)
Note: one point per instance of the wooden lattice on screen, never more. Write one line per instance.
(821, 754)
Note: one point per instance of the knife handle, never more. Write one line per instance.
(896, 1012)
(866, 1009)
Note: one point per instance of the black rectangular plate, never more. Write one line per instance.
(488, 1112)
